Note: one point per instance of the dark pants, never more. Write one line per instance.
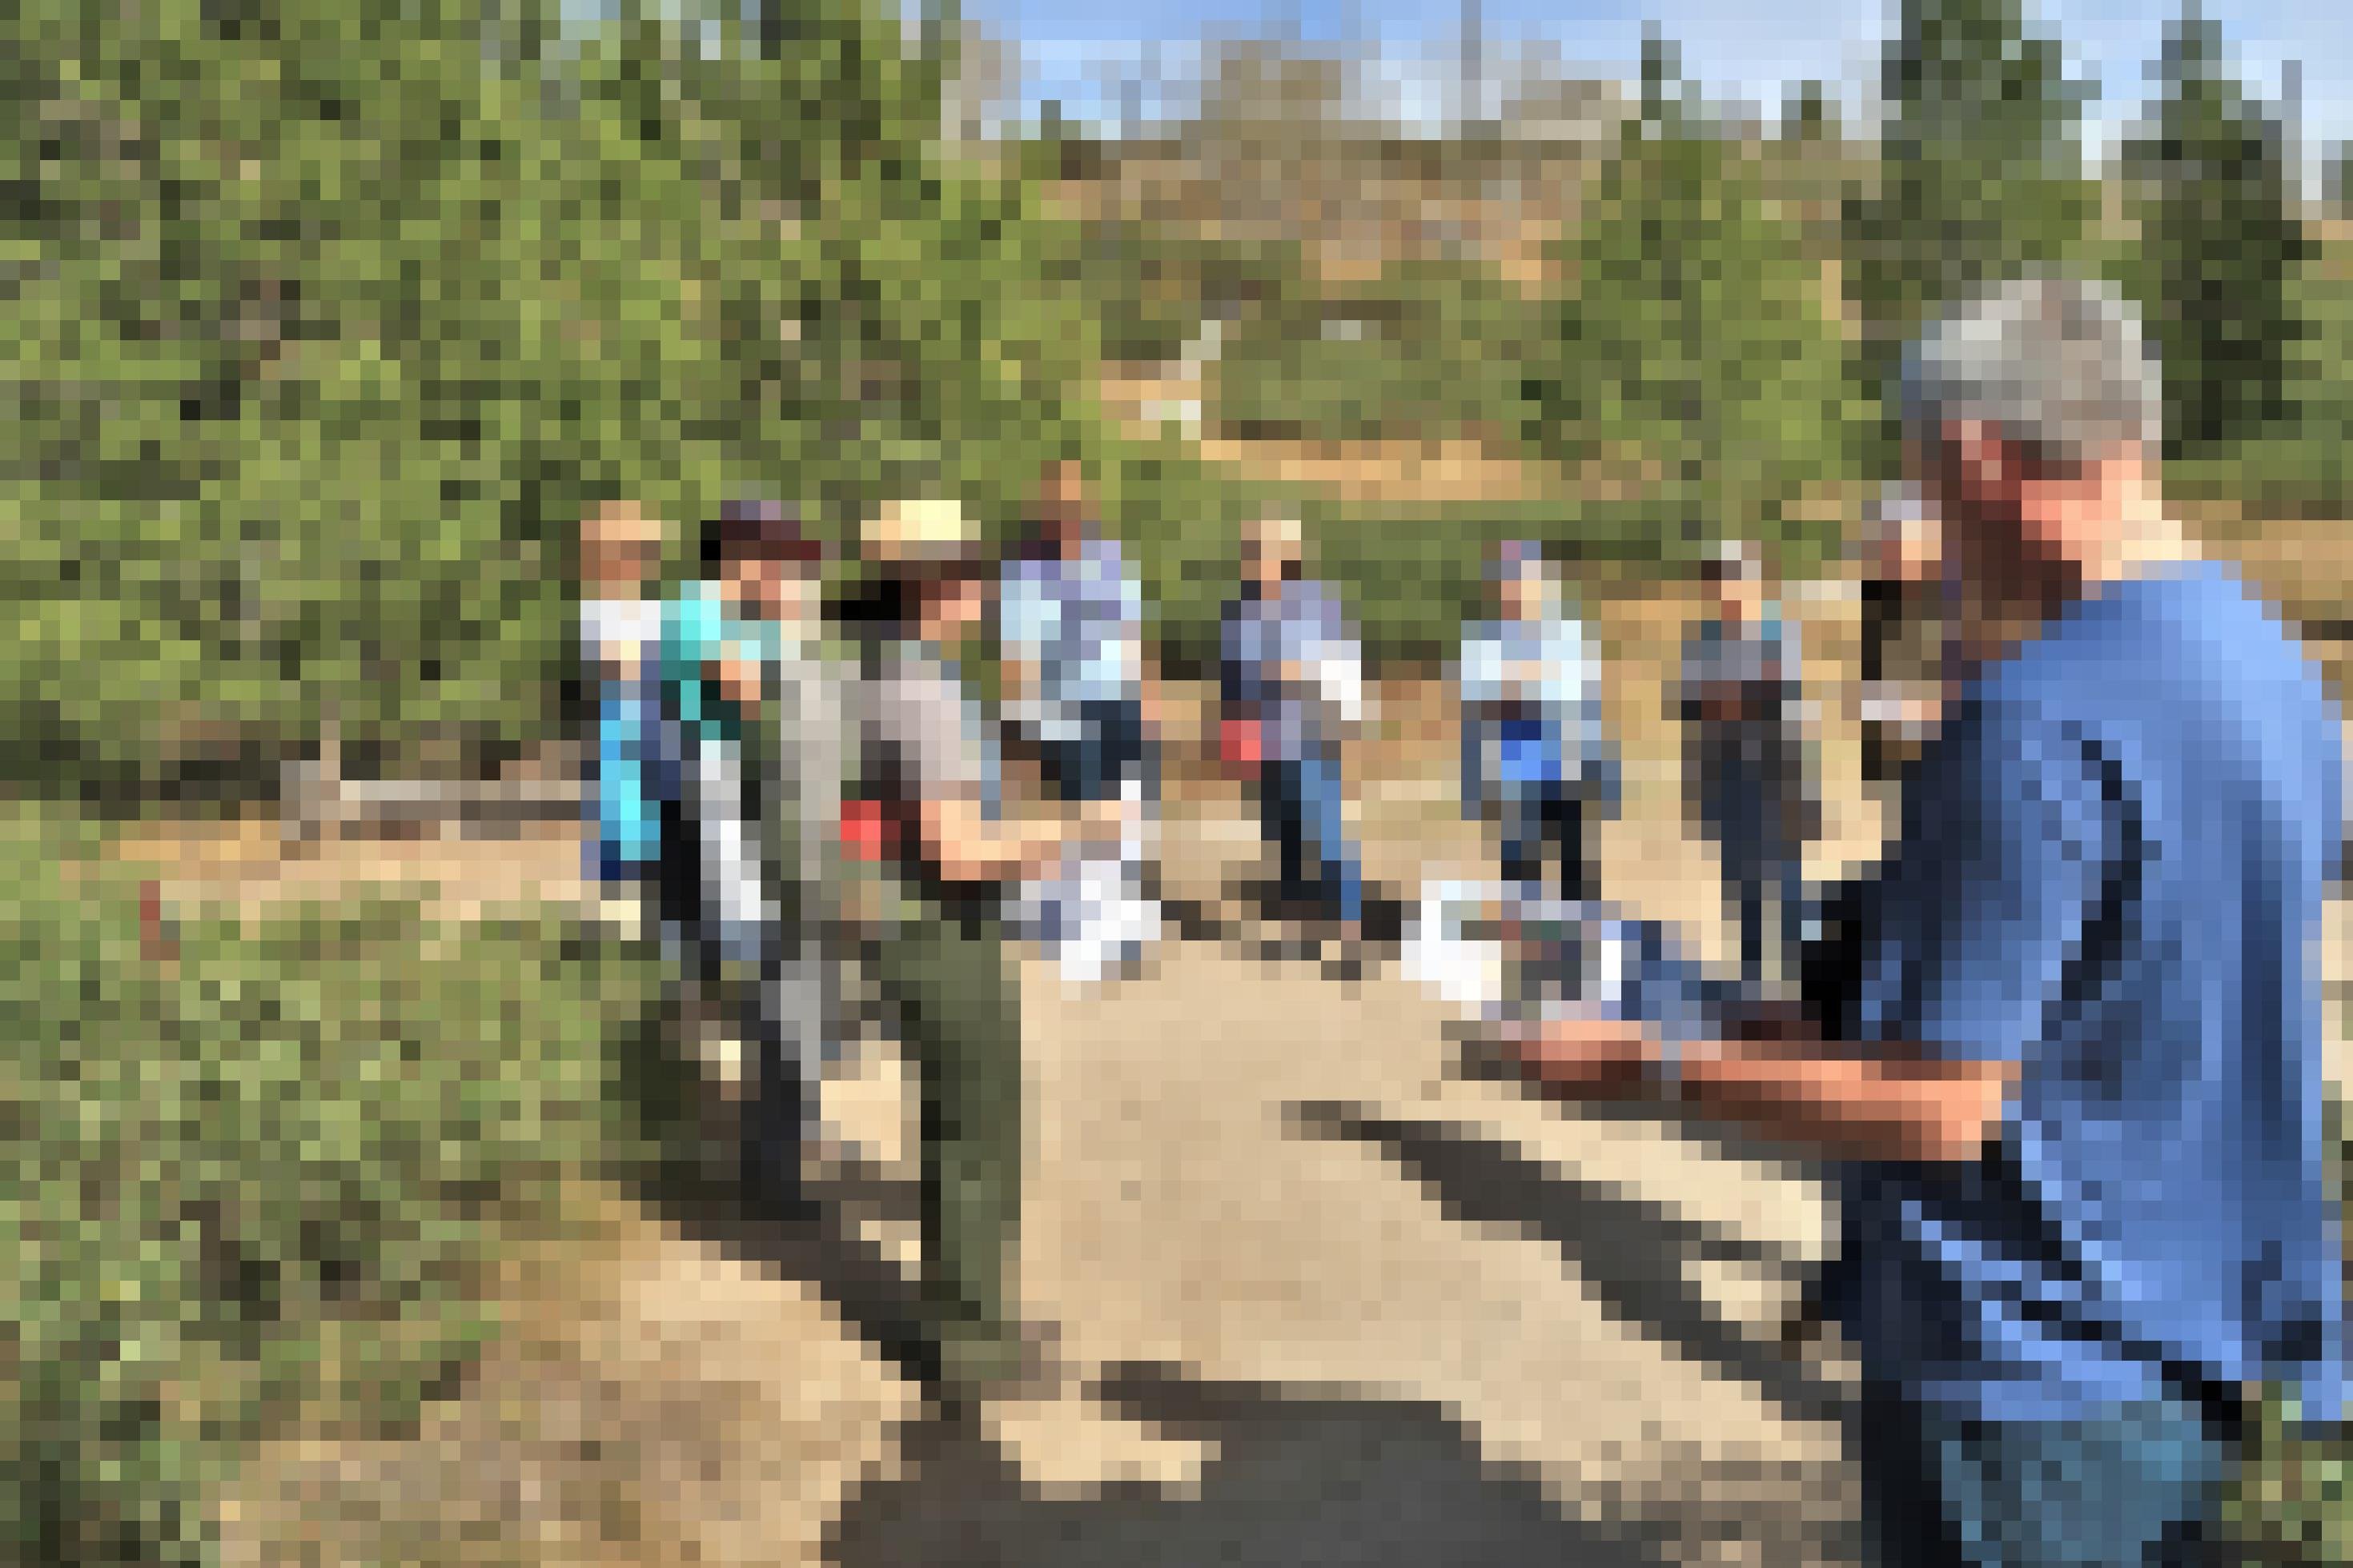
(1763, 867)
(761, 996)
(953, 992)
(786, 1097)
(1299, 811)
(2134, 1489)
(1111, 749)
(1548, 818)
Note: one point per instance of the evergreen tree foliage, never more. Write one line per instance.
(2220, 246)
(1980, 168)
(328, 317)
(1698, 343)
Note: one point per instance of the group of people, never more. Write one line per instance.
(1538, 763)
(778, 791)
(798, 790)
(2061, 1047)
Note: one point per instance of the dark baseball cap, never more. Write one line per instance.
(760, 530)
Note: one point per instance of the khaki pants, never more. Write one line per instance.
(953, 992)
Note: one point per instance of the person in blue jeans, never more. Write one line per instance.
(1745, 760)
(1292, 674)
(1072, 614)
(1534, 757)
(1071, 619)
(2075, 1082)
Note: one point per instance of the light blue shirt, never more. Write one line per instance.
(1079, 622)
(1303, 627)
(1561, 733)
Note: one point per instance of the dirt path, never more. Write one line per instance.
(1307, 1267)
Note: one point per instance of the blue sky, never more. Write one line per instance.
(1744, 47)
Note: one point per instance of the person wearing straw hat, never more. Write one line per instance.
(941, 850)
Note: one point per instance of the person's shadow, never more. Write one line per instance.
(1294, 1483)
(1632, 1255)
(1295, 1480)
(1373, 1482)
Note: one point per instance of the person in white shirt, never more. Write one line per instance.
(1070, 614)
(620, 633)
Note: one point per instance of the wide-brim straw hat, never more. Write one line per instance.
(924, 534)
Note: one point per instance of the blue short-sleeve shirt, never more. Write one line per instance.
(2111, 872)
(1303, 624)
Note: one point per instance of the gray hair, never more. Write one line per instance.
(2053, 362)
(1734, 561)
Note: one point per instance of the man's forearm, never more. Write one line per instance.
(1864, 1107)
(1883, 1104)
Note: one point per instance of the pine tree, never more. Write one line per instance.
(1980, 170)
(2219, 244)
(331, 315)
(1697, 336)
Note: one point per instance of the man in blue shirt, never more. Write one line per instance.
(1533, 753)
(1293, 675)
(2079, 1075)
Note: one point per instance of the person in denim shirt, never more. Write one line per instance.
(1534, 757)
(1071, 619)
(1292, 676)
(948, 846)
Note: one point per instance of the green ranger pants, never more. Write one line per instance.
(953, 990)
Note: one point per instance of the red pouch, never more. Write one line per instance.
(1240, 741)
(865, 830)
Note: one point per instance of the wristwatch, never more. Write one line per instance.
(1666, 1065)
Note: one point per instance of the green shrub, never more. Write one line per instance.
(257, 1180)
(2293, 1503)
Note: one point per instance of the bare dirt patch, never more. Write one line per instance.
(1405, 473)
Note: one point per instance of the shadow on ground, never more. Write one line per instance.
(1296, 1482)
(687, 1175)
(1633, 1257)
